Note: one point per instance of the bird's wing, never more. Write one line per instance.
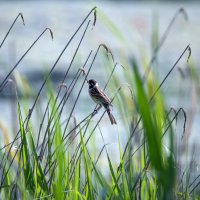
(99, 95)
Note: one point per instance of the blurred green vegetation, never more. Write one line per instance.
(64, 159)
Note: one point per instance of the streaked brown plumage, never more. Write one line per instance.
(98, 96)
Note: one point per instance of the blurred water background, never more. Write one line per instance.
(135, 22)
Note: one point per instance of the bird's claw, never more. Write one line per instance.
(95, 112)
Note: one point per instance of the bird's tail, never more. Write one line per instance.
(112, 119)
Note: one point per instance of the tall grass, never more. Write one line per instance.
(62, 160)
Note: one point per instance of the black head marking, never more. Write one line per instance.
(92, 83)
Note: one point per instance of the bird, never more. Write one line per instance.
(99, 97)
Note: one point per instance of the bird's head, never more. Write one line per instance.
(92, 83)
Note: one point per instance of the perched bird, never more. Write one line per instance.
(99, 97)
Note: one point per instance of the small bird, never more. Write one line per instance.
(99, 97)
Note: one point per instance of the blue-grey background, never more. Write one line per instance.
(134, 20)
